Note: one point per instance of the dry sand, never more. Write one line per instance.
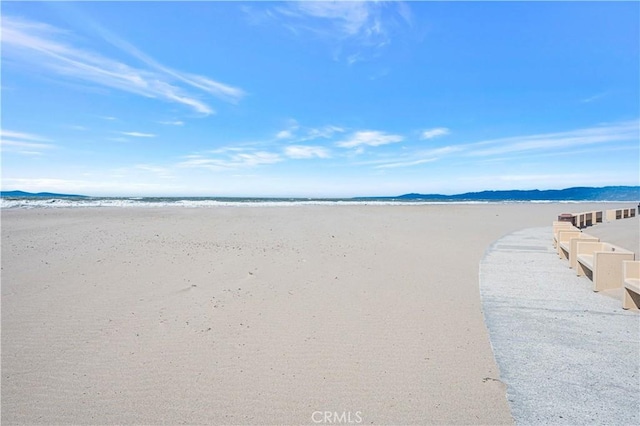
(624, 233)
(252, 315)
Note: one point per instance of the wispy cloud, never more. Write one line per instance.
(237, 160)
(305, 151)
(161, 172)
(257, 158)
(357, 29)
(284, 134)
(325, 132)
(594, 98)
(290, 131)
(138, 134)
(215, 88)
(225, 150)
(49, 48)
(416, 158)
(603, 134)
(608, 136)
(4, 133)
(509, 181)
(302, 134)
(346, 18)
(77, 127)
(23, 143)
(271, 151)
(406, 163)
(434, 133)
(369, 138)
(172, 123)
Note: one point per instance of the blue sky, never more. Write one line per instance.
(327, 99)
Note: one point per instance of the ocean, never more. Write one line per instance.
(31, 202)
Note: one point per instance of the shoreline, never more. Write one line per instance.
(260, 315)
(11, 203)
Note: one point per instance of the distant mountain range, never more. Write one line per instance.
(607, 193)
(21, 194)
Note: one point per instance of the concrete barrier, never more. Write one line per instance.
(568, 248)
(631, 284)
(602, 262)
(562, 226)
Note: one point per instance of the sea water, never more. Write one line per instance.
(71, 202)
(193, 202)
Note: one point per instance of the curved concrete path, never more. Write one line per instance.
(567, 355)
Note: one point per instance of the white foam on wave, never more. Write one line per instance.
(26, 203)
(51, 203)
(141, 202)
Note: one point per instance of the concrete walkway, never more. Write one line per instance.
(567, 355)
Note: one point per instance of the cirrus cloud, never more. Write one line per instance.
(369, 138)
(434, 133)
(235, 160)
(46, 47)
(305, 151)
(356, 30)
(139, 134)
(23, 143)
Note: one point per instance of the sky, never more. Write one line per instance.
(318, 99)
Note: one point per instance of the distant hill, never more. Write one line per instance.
(21, 194)
(607, 193)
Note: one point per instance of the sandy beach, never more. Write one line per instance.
(253, 315)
